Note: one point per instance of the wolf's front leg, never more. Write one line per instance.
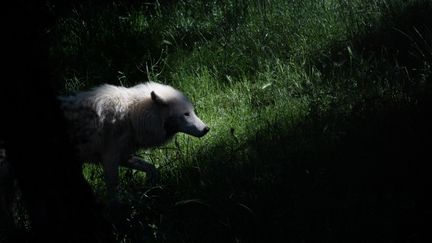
(139, 164)
(111, 176)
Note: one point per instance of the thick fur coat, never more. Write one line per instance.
(109, 123)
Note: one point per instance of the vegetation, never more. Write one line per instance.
(317, 112)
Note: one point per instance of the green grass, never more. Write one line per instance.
(293, 91)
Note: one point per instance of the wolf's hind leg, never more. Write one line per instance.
(139, 164)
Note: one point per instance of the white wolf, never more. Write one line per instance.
(109, 123)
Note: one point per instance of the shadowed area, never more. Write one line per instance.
(47, 198)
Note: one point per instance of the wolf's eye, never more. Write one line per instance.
(187, 114)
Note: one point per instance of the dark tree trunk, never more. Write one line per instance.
(59, 201)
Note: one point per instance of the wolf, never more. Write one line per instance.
(110, 123)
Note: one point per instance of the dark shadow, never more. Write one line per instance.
(399, 47)
(59, 203)
(117, 42)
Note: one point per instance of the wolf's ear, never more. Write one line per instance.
(157, 99)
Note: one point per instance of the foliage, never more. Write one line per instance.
(307, 101)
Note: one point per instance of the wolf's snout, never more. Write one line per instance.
(206, 130)
(202, 132)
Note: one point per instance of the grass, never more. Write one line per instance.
(307, 101)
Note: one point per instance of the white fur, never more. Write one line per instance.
(115, 101)
(109, 123)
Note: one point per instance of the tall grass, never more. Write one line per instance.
(283, 86)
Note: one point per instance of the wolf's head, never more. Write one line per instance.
(180, 115)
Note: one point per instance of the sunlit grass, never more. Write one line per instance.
(277, 82)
